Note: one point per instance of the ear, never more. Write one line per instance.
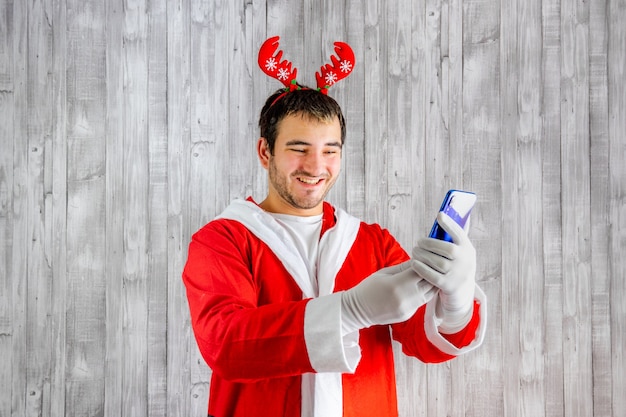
(263, 152)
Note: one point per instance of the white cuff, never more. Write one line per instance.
(431, 323)
(328, 350)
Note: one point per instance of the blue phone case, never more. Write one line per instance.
(458, 205)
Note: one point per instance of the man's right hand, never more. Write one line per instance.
(390, 295)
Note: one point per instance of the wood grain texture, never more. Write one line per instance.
(87, 323)
(114, 367)
(575, 198)
(616, 11)
(58, 328)
(599, 178)
(125, 125)
(156, 210)
(179, 388)
(7, 131)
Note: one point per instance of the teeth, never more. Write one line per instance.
(308, 181)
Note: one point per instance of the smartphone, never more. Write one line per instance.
(457, 204)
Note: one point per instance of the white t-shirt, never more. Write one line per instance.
(305, 232)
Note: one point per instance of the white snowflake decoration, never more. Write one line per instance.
(270, 64)
(346, 66)
(331, 78)
(283, 74)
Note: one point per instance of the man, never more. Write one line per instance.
(294, 302)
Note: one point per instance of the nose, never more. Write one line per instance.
(313, 164)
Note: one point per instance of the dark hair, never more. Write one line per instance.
(305, 101)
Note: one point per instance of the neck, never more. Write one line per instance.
(271, 205)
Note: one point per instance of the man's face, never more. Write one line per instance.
(304, 166)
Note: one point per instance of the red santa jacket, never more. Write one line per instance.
(250, 321)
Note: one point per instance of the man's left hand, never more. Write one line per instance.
(451, 267)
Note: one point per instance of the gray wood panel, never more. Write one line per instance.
(125, 125)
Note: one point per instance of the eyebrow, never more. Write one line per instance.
(297, 142)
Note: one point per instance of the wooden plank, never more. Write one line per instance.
(399, 181)
(551, 189)
(575, 200)
(256, 12)
(436, 169)
(466, 371)
(485, 139)
(157, 209)
(208, 163)
(58, 195)
(413, 385)
(115, 367)
(249, 97)
(599, 211)
(511, 277)
(375, 105)
(256, 15)
(402, 185)
(315, 39)
(86, 202)
(6, 48)
(40, 181)
(353, 97)
(243, 163)
(616, 13)
(452, 91)
(443, 120)
(9, 324)
(429, 133)
(19, 253)
(416, 384)
(38, 279)
(134, 209)
(425, 19)
(286, 19)
(530, 262)
(179, 339)
(221, 157)
(205, 173)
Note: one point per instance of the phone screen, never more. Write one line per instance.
(458, 205)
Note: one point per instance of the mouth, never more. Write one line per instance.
(309, 181)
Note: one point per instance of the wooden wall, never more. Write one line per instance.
(125, 125)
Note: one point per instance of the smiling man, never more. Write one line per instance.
(294, 302)
(303, 163)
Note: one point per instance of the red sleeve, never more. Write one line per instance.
(244, 332)
(412, 335)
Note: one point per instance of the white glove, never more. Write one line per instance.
(451, 267)
(390, 295)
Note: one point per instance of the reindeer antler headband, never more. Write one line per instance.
(284, 72)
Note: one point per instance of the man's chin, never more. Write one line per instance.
(307, 203)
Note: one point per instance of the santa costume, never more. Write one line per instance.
(271, 332)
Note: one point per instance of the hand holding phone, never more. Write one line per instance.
(450, 265)
(458, 205)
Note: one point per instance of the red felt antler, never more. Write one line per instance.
(273, 66)
(340, 68)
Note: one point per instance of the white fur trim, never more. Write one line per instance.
(330, 354)
(328, 350)
(432, 333)
(263, 226)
